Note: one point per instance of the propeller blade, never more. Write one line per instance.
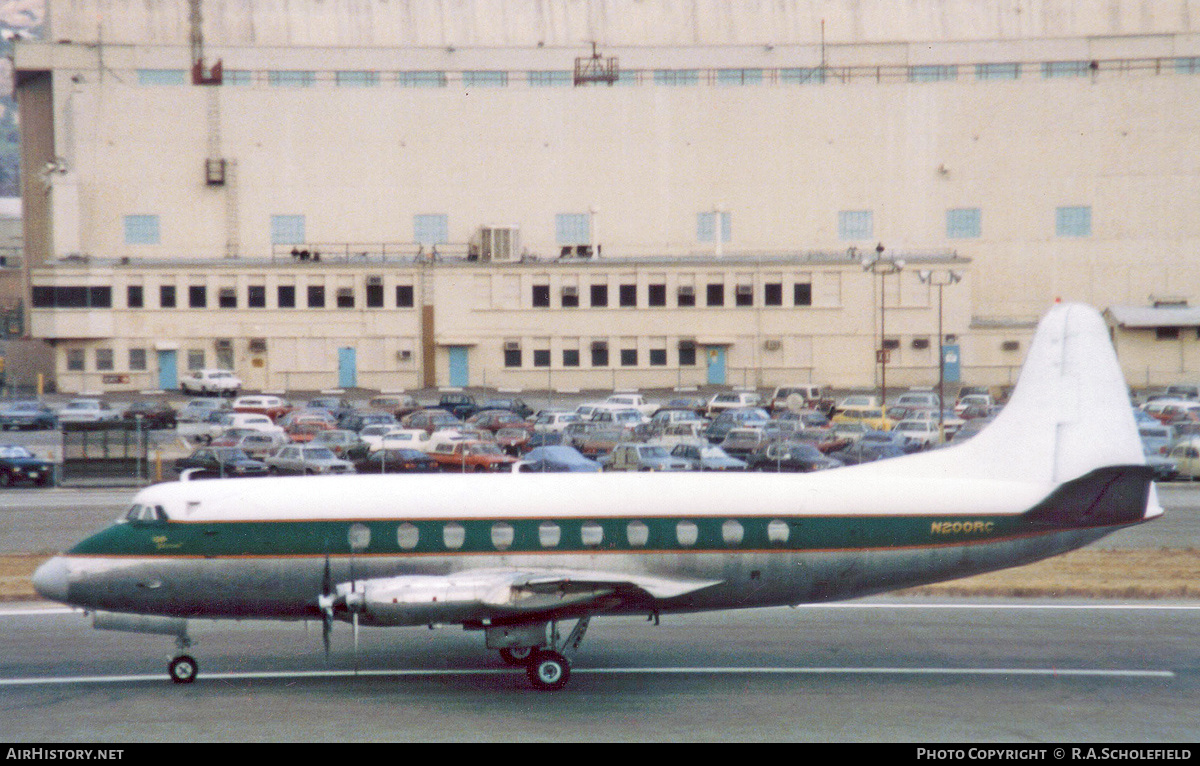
(355, 622)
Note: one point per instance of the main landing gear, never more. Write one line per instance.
(183, 668)
(545, 664)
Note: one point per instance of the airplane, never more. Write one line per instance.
(514, 555)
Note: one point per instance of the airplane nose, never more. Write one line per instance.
(50, 579)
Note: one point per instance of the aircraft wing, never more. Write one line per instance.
(504, 594)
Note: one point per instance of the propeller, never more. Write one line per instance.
(325, 602)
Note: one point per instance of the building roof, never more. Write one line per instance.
(1138, 317)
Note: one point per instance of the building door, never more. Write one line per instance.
(168, 376)
(459, 370)
(716, 365)
(347, 368)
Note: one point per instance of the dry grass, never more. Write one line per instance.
(1133, 574)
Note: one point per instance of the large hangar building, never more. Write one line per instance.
(605, 193)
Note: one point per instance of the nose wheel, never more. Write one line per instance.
(548, 670)
(183, 669)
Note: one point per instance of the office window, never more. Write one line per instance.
(104, 359)
(404, 296)
(673, 77)
(570, 357)
(686, 296)
(739, 76)
(161, 77)
(856, 224)
(374, 292)
(600, 354)
(656, 295)
(773, 294)
(227, 298)
(356, 79)
(964, 223)
(256, 296)
(541, 296)
(802, 76)
(512, 354)
(1065, 69)
(99, 297)
(195, 359)
(743, 295)
(286, 296)
(141, 230)
(570, 297)
(541, 357)
(291, 78)
(75, 360)
(599, 296)
(287, 230)
(550, 79)
(715, 295)
(706, 227)
(1073, 221)
(133, 297)
(1187, 65)
(629, 357)
(72, 297)
(997, 71)
(166, 296)
(137, 359)
(932, 73)
(687, 353)
(484, 79)
(237, 77)
(431, 229)
(658, 357)
(572, 228)
(197, 297)
(802, 294)
(627, 296)
(345, 297)
(316, 296)
(421, 79)
(1166, 333)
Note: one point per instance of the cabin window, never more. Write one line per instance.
(686, 532)
(638, 533)
(777, 531)
(549, 534)
(407, 536)
(732, 532)
(591, 534)
(502, 536)
(454, 535)
(359, 537)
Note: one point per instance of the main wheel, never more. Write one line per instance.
(548, 671)
(183, 669)
(518, 656)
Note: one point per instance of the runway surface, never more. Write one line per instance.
(877, 670)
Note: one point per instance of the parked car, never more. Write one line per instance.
(511, 404)
(866, 452)
(272, 406)
(643, 457)
(871, 417)
(741, 442)
(1157, 438)
(397, 404)
(345, 444)
(396, 438)
(211, 381)
(924, 431)
(601, 441)
(801, 396)
(631, 402)
(461, 406)
(155, 413)
(219, 422)
(18, 464)
(357, 421)
(790, 456)
(626, 418)
(470, 456)
(513, 440)
(256, 444)
(1165, 469)
(304, 428)
(707, 457)
(554, 420)
(1186, 457)
(304, 460)
(556, 459)
(494, 420)
(857, 400)
(736, 418)
(430, 420)
(220, 463)
(923, 399)
(732, 400)
(88, 411)
(196, 410)
(335, 406)
(402, 460)
(31, 414)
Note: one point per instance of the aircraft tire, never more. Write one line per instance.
(548, 671)
(519, 656)
(183, 669)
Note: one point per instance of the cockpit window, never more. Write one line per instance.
(144, 513)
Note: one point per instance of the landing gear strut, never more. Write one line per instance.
(183, 668)
(545, 664)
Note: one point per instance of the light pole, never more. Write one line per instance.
(877, 265)
(940, 279)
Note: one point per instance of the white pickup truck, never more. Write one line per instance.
(630, 402)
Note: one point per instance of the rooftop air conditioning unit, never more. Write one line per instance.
(497, 243)
(772, 345)
(512, 345)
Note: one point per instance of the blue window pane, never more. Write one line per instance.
(964, 223)
(426, 79)
(706, 226)
(1073, 221)
(550, 79)
(141, 230)
(160, 77)
(431, 229)
(802, 76)
(932, 73)
(626, 77)
(287, 230)
(997, 71)
(1188, 65)
(1065, 68)
(572, 229)
(291, 78)
(237, 77)
(676, 77)
(739, 76)
(856, 224)
(486, 79)
(357, 79)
